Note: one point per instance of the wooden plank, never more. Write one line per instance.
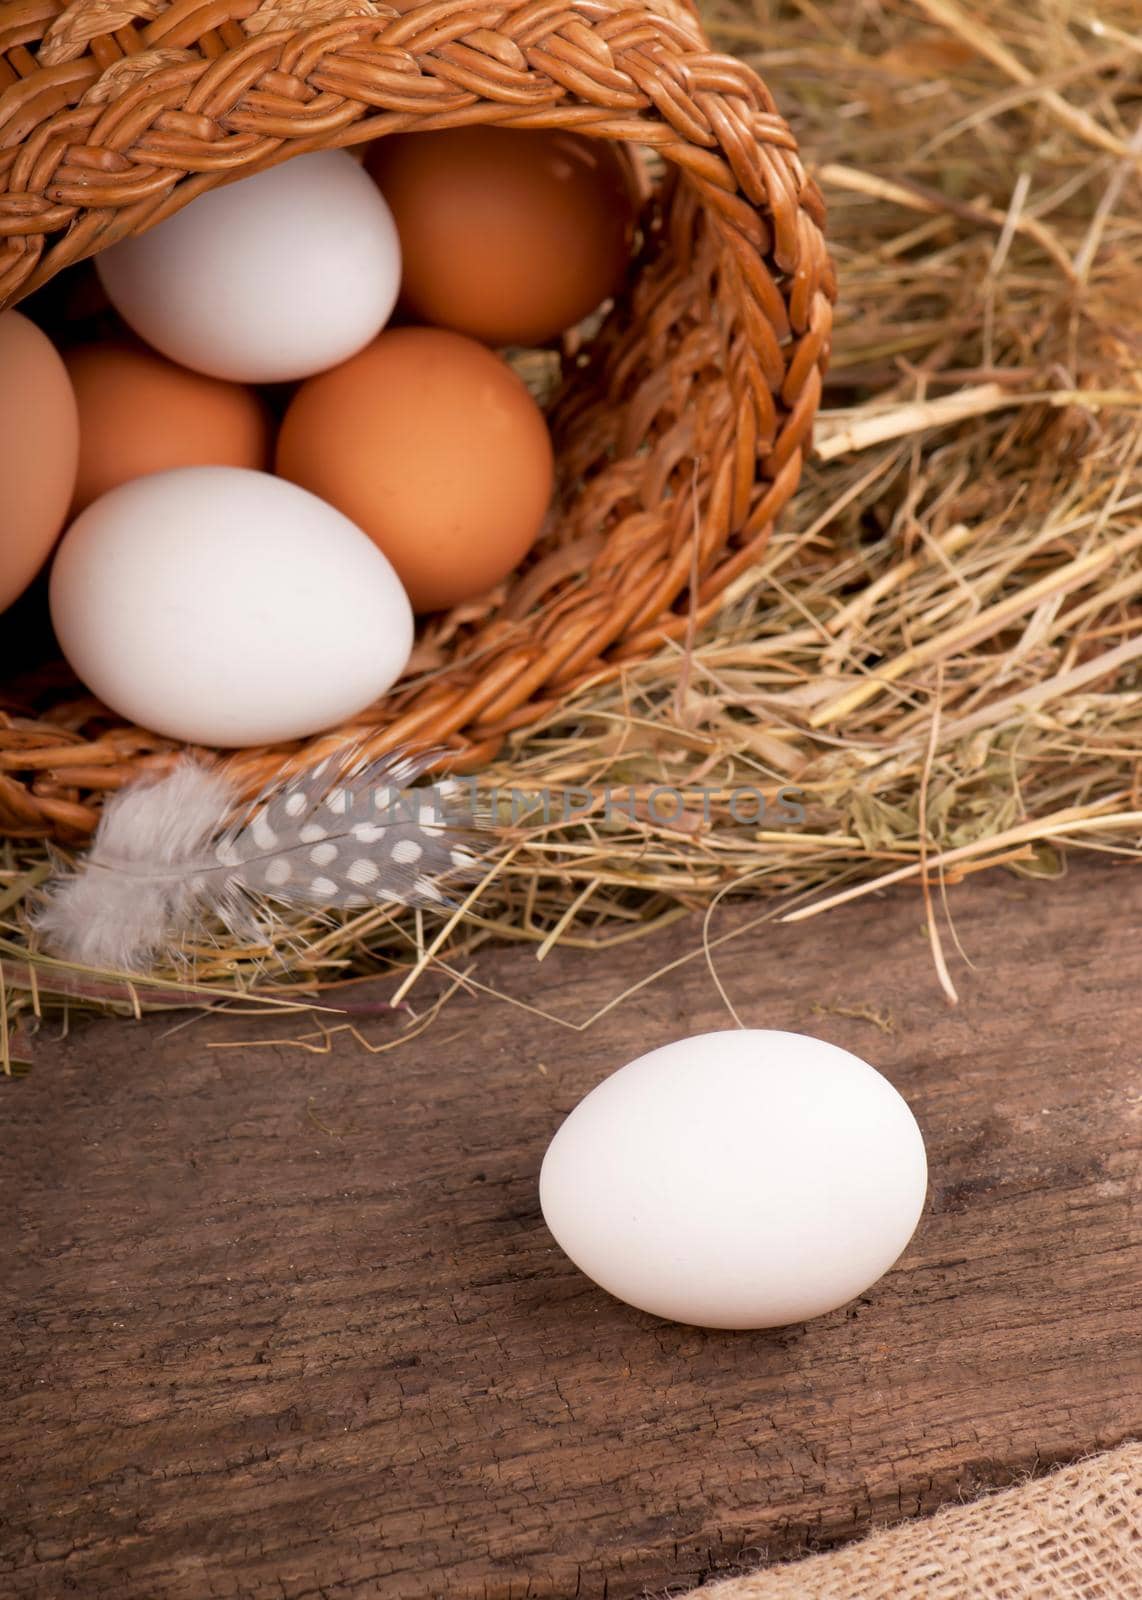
(290, 1325)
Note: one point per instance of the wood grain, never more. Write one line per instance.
(288, 1326)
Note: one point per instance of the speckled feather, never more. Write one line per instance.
(169, 855)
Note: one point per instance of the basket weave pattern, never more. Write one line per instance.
(680, 430)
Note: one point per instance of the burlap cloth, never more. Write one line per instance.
(1075, 1535)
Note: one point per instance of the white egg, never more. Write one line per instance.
(745, 1179)
(226, 607)
(269, 279)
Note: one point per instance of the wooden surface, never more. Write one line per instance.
(290, 1326)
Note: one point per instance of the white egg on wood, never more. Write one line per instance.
(266, 280)
(223, 606)
(741, 1179)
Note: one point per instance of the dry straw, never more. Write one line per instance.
(942, 649)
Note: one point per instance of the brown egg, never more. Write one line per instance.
(506, 234)
(139, 413)
(434, 447)
(39, 448)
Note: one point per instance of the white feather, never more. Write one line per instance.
(136, 883)
(168, 856)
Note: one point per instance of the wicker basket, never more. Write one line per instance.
(679, 430)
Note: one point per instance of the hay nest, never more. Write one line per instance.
(942, 653)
